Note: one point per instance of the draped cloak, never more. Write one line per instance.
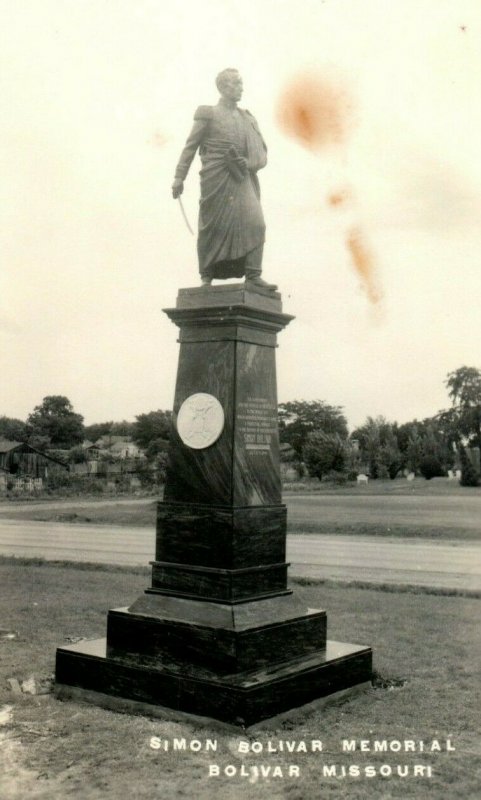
(231, 222)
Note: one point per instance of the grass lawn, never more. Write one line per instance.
(435, 509)
(85, 511)
(55, 750)
(400, 486)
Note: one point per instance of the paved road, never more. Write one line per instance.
(448, 564)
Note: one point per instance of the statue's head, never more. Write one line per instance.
(229, 84)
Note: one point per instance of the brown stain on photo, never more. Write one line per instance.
(364, 263)
(316, 109)
(158, 139)
(339, 198)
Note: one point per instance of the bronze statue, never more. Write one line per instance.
(231, 223)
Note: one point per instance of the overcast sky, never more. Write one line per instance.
(97, 98)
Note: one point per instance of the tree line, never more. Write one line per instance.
(54, 425)
(319, 438)
(313, 433)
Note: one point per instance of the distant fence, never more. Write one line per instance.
(22, 485)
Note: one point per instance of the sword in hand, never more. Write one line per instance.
(177, 189)
(185, 215)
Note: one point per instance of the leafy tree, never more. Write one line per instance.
(353, 460)
(41, 443)
(431, 467)
(409, 439)
(436, 448)
(77, 455)
(469, 476)
(157, 447)
(369, 440)
(414, 450)
(389, 457)
(55, 418)
(59, 455)
(464, 389)
(98, 429)
(162, 463)
(123, 428)
(369, 437)
(324, 452)
(378, 444)
(299, 418)
(13, 429)
(151, 427)
(154, 471)
(446, 424)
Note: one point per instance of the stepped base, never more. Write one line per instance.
(243, 698)
(122, 706)
(224, 639)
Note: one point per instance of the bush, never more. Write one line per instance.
(338, 478)
(77, 455)
(324, 453)
(382, 473)
(153, 473)
(162, 464)
(431, 467)
(469, 476)
(87, 485)
(74, 485)
(57, 479)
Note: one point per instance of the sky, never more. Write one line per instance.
(372, 216)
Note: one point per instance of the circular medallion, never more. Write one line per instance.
(200, 420)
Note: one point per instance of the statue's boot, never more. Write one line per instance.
(206, 281)
(256, 281)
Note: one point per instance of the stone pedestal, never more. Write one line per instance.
(218, 632)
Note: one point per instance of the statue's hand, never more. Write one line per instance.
(177, 188)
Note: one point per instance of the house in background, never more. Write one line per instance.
(111, 458)
(126, 449)
(92, 451)
(119, 446)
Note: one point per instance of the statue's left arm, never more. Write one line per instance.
(256, 146)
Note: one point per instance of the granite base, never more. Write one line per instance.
(241, 699)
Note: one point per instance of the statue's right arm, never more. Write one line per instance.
(195, 138)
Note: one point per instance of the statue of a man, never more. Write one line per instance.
(231, 222)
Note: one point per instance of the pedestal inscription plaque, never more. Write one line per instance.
(219, 632)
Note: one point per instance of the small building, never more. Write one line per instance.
(119, 446)
(126, 449)
(91, 450)
(22, 460)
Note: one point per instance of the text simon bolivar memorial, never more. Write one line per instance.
(219, 633)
